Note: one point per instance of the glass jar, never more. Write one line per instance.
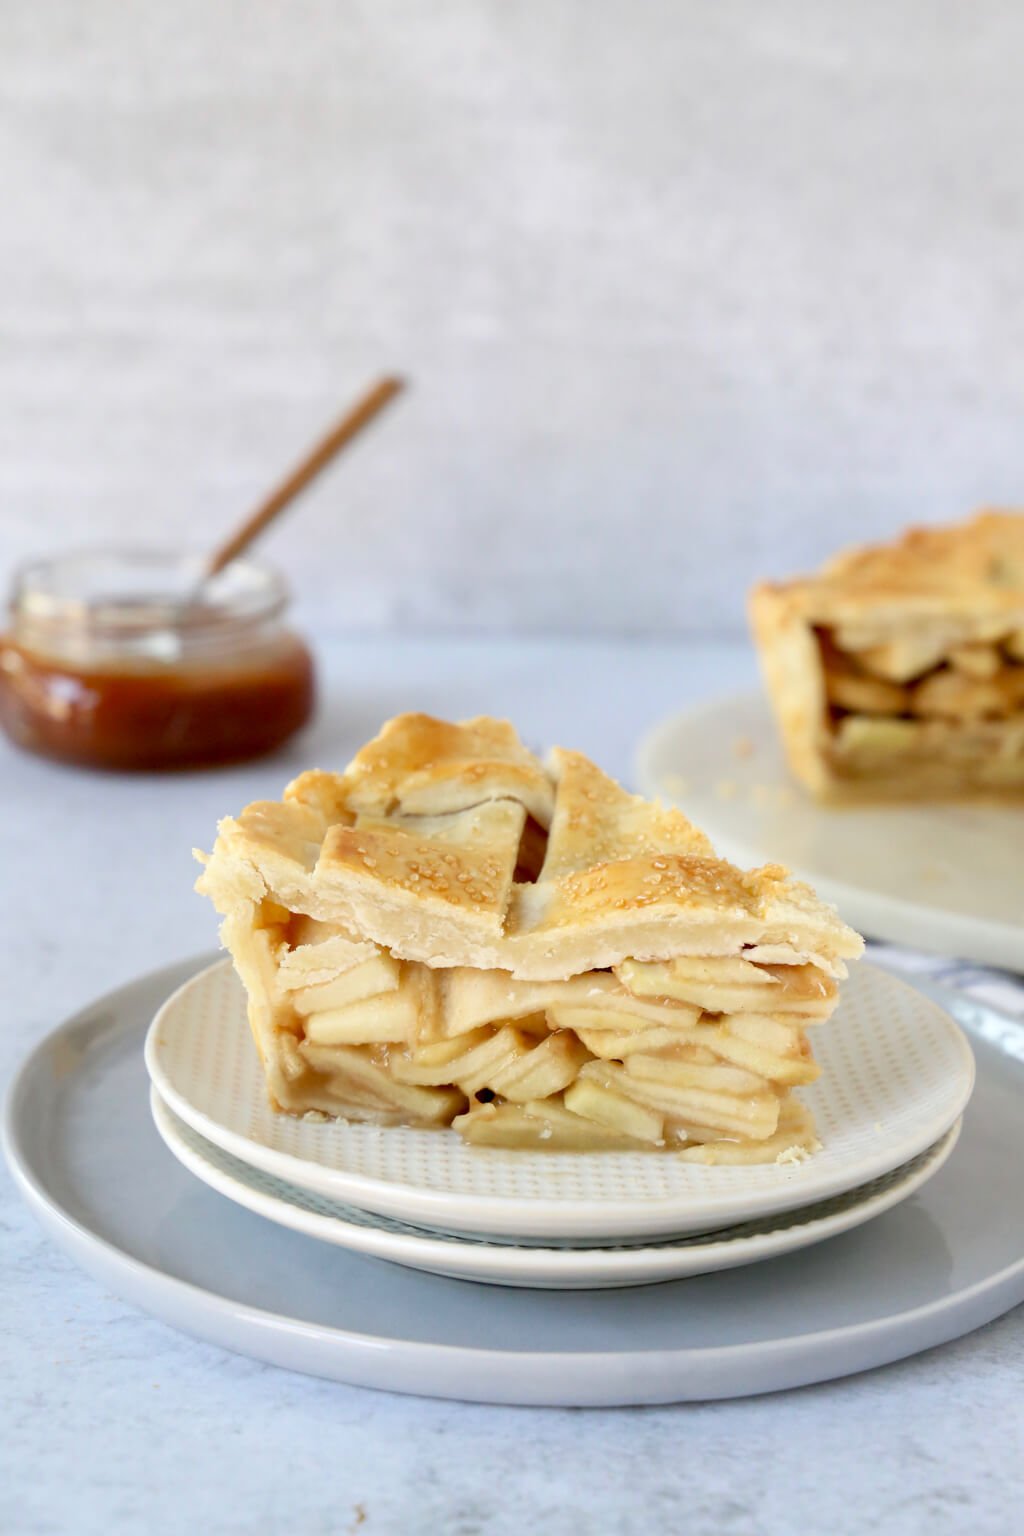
(126, 659)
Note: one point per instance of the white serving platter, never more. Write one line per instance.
(947, 876)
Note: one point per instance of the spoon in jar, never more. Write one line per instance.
(319, 456)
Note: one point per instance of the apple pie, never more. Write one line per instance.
(453, 933)
(898, 671)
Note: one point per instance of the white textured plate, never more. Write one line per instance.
(80, 1142)
(943, 876)
(896, 1074)
(555, 1269)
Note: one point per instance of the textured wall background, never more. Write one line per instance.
(689, 293)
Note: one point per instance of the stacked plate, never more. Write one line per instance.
(896, 1076)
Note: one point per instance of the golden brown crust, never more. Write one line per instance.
(421, 766)
(463, 862)
(621, 877)
(596, 821)
(973, 568)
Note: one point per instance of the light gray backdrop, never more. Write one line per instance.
(689, 292)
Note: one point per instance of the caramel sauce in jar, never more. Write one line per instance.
(120, 661)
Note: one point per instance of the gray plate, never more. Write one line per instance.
(83, 1148)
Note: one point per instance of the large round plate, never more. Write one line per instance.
(81, 1144)
(554, 1269)
(896, 1074)
(940, 876)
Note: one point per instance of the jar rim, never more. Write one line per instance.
(122, 588)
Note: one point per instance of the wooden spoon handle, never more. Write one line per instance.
(352, 423)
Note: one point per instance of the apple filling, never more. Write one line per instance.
(696, 1054)
(921, 698)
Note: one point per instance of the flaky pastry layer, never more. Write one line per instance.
(431, 867)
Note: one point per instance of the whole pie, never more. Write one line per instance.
(452, 932)
(899, 669)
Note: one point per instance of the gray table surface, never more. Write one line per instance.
(111, 1422)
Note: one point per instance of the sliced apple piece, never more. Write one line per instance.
(718, 1077)
(380, 974)
(390, 1017)
(605, 1107)
(351, 1078)
(543, 1071)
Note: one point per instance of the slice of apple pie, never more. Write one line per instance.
(452, 933)
(898, 671)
